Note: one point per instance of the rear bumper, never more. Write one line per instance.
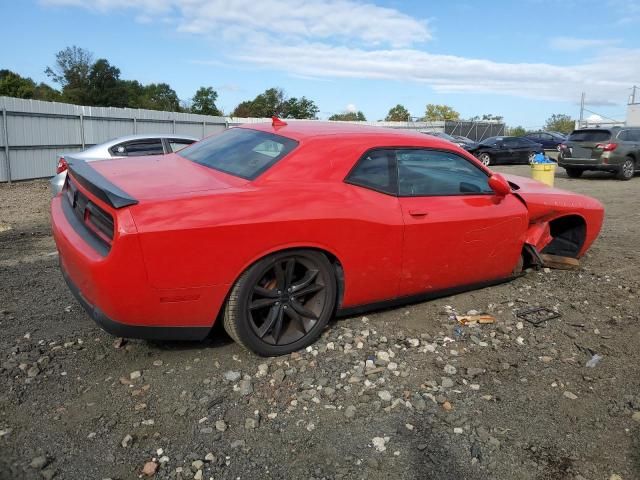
(609, 163)
(133, 331)
(114, 289)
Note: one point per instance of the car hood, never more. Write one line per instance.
(542, 200)
(160, 176)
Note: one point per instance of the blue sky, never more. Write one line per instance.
(524, 60)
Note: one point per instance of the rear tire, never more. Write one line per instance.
(485, 158)
(281, 303)
(627, 169)
(574, 172)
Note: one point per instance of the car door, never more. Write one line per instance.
(457, 230)
(513, 150)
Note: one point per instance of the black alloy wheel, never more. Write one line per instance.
(282, 303)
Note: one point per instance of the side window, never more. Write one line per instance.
(139, 148)
(624, 135)
(431, 173)
(511, 142)
(375, 170)
(634, 135)
(177, 144)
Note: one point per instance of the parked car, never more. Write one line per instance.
(549, 140)
(615, 150)
(131, 145)
(494, 150)
(467, 141)
(447, 137)
(255, 227)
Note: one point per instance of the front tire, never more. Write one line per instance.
(281, 303)
(627, 169)
(574, 172)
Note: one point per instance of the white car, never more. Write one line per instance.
(121, 147)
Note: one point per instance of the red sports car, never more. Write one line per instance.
(274, 229)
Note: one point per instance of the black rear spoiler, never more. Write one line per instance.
(100, 186)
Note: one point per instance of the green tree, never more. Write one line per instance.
(274, 101)
(159, 96)
(559, 122)
(434, 112)
(397, 114)
(349, 116)
(105, 87)
(14, 85)
(300, 108)
(71, 71)
(517, 131)
(204, 102)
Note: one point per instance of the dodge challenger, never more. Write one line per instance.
(275, 228)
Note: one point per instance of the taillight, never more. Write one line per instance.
(607, 147)
(62, 165)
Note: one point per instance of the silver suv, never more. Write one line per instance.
(615, 150)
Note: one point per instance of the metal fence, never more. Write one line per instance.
(32, 132)
(475, 131)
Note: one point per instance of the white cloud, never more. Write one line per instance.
(605, 77)
(349, 20)
(571, 44)
(332, 39)
(351, 108)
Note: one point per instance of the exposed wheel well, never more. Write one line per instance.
(568, 234)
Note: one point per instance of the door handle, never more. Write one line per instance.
(418, 213)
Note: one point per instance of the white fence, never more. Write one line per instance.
(32, 132)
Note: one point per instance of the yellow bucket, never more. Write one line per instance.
(543, 172)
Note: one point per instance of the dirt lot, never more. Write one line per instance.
(502, 401)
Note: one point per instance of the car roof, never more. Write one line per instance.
(302, 130)
(140, 136)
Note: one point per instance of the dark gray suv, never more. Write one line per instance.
(615, 149)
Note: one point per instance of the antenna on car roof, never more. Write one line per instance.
(276, 122)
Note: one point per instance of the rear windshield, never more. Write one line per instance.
(590, 136)
(240, 151)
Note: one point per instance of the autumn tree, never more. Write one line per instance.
(397, 114)
(434, 112)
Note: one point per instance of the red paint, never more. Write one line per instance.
(176, 254)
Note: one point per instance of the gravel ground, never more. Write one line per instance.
(399, 393)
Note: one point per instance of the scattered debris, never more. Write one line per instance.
(538, 315)
(474, 319)
(560, 263)
(150, 469)
(595, 359)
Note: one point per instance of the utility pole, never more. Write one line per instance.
(633, 95)
(582, 108)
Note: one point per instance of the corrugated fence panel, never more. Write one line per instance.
(31, 163)
(211, 129)
(3, 167)
(190, 129)
(98, 130)
(28, 130)
(147, 126)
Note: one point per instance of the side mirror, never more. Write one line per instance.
(499, 185)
